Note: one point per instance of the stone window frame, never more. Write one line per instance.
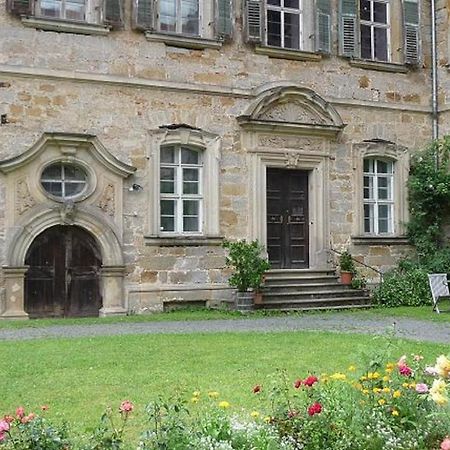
(209, 144)
(398, 154)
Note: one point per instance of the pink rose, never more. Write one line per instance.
(445, 445)
(316, 408)
(4, 425)
(20, 412)
(421, 388)
(126, 407)
(430, 371)
(297, 383)
(405, 370)
(310, 380)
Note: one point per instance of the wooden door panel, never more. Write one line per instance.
(287, 218)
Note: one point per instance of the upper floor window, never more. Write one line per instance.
(284, 23)
(374, 29)
(181, 190)
(378, 196)
(179, 16)
(62, 9)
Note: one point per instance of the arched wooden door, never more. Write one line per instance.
(63, 277)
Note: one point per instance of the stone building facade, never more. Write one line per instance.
(136, 135)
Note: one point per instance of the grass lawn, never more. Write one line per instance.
(419, 313)
(79, 378)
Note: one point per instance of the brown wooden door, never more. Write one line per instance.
(287, 219)
(63, 278)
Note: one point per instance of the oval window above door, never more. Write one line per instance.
(64, 181)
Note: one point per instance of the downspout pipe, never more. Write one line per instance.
(434, 77)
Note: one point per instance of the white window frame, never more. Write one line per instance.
(179, 196)
(374, 201)
(92, 13)
(205, 19)
(372, 24)
(209, 144)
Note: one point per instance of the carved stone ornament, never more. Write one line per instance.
(294, 142)
(293, 112)
(292, 159)
(24, 200)
(106, 202)
(67, 212)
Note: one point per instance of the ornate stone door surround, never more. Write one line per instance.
(30, 210)
(290, 126)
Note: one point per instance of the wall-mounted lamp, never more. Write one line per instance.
(135, 187)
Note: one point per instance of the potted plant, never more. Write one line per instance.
(347, 267)
(248, 264)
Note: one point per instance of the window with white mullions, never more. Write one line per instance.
(63, 9)
(179, 16)
(374, 23)
(64, 181)
(181, 195)
(378, 196)
(284, 23)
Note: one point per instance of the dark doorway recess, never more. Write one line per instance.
(287, 218)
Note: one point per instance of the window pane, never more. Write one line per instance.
(274, 2)
(291, 4)
(190, 224)
(292, 31)
(190, 181)
(167, 15)
(168, 207)
(167, 175)
(368, 188)
(380, 12)
(189, 156)
(190, 174)
(167, 223)
(382, 167)
(364, 7)
(190, 208)
(189, 16)
(274, 28)
(366, 42)
(72, 189)
(168, 155)
(381, 44)
(368, 165)
(368, 218)
(51, 8)
(54, 188)
(74, 173)
(75, 10)
(52, 172)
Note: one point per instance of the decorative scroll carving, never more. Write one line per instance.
(106, 202)
(292, 159)
(293, 112)
(24, 200)
(298, 143)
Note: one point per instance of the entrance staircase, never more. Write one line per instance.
(305, 289)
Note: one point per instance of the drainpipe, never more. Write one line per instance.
(434, 77)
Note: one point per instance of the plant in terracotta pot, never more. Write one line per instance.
(347, 267)
(248, 265)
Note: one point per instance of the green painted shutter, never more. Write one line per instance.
(253, 12)
(411, 31)
(323, 26)
(114, 13)
(348, 28)
(19, 7)
(143, 14)
(224, 22)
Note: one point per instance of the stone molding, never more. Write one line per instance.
(174, 40)
(297, 55)
(188, 241)
(65, 26)
(380, 66)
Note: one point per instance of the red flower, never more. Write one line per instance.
(20, 412)
(257, 389)
(315, 408)
(28, 418)
(405, 370)
(310, 380)
(126, 407)
(298, 383)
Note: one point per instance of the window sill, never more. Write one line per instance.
(380, 240)
(65, 26)
(379, 65)
(281, 53)
(183, 241)
(193, 42)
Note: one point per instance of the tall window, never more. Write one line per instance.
(179, 16)
(63, 9)
(378, 196)
(374, 22)
(181, 190)
(284, 23)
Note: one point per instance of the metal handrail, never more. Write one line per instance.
(380, 274)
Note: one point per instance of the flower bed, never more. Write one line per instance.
(394, 405)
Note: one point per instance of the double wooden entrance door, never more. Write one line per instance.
(63, 277)
(287, 219)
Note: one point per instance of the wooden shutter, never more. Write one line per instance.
(114, 13)
(411, 31)
(19, 7)
(253, 13)
(143, 14)
(348, 28)
(224, 24)
(323, 26)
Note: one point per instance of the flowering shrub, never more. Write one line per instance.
(401, 405)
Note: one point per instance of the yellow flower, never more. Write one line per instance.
(224, 404)
(397, 394)
(373, 375)
(382, 401)
(394, 412)
(194, 399)
(405, 385)
(351, 368)
(376, 390)
(412, 385)
(388, 370)
(196, 393)
(365, 391)
(390, 366)
(386, 390)
(443, 366)
(213, 394)
(255, 414)
(338, 376)
(386, 378)
(267, 419)
(363, 378)
(438, 392)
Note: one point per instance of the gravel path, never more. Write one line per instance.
(404, 328)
